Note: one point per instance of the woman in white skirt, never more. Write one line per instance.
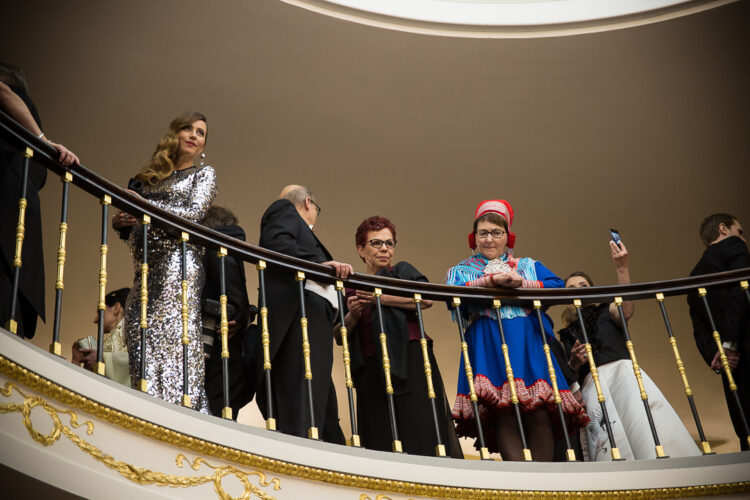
(627, 414)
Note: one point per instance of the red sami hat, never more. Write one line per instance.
(500, 207)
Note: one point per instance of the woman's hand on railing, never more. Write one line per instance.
(507, 280)
(122, 220)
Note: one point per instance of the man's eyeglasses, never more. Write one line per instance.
(380, 243)
(317, 207)
(495, 233)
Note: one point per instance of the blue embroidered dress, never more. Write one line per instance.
(526, 354)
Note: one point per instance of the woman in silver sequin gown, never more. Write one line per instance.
(173, 182)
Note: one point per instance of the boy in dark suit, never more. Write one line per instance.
(726, 249)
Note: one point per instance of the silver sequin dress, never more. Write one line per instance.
(187, 193)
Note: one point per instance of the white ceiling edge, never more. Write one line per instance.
(506, 19)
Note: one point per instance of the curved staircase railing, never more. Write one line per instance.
(533, 299)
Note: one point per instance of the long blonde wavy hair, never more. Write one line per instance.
(161, 165)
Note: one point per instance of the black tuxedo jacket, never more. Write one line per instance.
(729, 306)
(283, 230)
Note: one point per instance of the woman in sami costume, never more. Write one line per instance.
(493, 265)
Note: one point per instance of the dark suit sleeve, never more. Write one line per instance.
(729, 306)
(236, 290)
(701, 330)
(731, 318)
(281, 224)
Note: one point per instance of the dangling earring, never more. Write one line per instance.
(203, 158)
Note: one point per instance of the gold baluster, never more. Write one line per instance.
(143, 383)
(344, 332)
(312, 432)
(184, 238)
(614, 450)
(440, 448)
(724, 361)
(484, 452)
(265, 341)
(387, 371)
(226, 412)
(683, 372)
(103, 250)
(639, 379)
(570, 453)
(55, 347)
(12, 324)
(511, 380)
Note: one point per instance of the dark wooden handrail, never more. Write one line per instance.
(98, 186)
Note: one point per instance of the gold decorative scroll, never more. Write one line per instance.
(131, 472)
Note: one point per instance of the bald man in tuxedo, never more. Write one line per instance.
(287, 227)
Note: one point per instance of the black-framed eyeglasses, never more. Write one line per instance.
(317, 207)
(380, 243)
(495, 233)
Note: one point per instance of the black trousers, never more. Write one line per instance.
(26, 316)
(741, 377)
(289, 386)
(241, 377)
(414, 418)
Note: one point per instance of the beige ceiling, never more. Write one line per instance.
(643, 129)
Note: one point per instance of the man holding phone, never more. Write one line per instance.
(726, 249)
(115, 347)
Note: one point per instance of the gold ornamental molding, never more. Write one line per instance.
(128, 471)
(53, 390)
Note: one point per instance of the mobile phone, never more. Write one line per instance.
(87, 342)
(615, 235)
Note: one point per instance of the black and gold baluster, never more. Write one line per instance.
(637, 371)
(266, 342)
(511, 381)
(614, 451)
(354, 441)
(725, 365)
(227, 411)
(440, 447)
(312, 432)
(744, 286)
(143, 382)
(55, 347)
(397, 448)
(12, 324)
(103, 249)
(683, 374)
(484, 453)
(184, 237)
(570, 453)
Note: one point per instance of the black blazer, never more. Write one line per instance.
(31, 285)
(283, 230)
(729, 306)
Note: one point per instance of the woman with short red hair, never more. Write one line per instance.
(376, 243)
